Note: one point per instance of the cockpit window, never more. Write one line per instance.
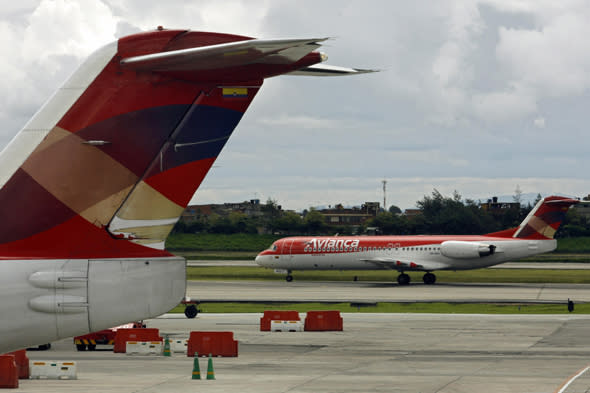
(273, 247)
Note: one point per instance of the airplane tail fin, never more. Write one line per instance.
(543, 221)
(107, 166)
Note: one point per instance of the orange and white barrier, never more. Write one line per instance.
(277, 315)
(144, 348)
(134, 335)
(52, 370)
(286, 326)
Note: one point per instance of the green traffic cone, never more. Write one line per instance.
(210, 372)
(196, 369)
(167, 347)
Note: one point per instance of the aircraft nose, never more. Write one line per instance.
(261, 260)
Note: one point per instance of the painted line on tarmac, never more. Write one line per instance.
(567, 383)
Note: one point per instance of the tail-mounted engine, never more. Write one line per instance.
(466, 250)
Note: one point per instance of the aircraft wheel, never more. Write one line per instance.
(403, 279)
(429, 278)
(289, 278)
(191, 311)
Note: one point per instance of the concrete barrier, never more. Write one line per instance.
(8, 372)
(323, 321)
(53, 370)
(212, 343)
(135, 335)
(286, 326)
(277, 315)
(22, 363)
(179, 346)
(144, 347)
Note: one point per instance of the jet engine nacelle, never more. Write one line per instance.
(466, 250)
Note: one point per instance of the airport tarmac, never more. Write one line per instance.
(370, 292)
(374, 353)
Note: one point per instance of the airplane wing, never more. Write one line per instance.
(231, 54)
(399, 265)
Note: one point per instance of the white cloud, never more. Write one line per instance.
(539, 122)
(503, 106)
(63, 27)
(464, 94)
(546, 61)
(553, 61)
(41, 48)
(229, 16)
(300, 121)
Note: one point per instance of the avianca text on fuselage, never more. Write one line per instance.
(327, 244)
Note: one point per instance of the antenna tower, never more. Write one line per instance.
(384, 194)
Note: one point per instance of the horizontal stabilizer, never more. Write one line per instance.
(232, 54)
(329, 70)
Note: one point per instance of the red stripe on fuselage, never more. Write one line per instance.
(298, 245)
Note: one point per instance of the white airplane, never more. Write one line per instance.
(95, 181)
(421, 253)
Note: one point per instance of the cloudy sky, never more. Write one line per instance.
(474, 96)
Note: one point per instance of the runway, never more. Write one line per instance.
(335, 291)
(375, 353)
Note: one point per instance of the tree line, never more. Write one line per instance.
(439, 214)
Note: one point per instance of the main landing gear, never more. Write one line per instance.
(429, 278)
(289, 277)
(404, 279)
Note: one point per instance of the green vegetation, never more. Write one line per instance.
(577, 245)
(446, 308)
(209, 246)
(219, 242)
(532, 276)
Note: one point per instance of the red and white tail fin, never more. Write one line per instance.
(543, 221)
(107, 166)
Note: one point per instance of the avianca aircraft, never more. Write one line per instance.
(421, 253)
(93, 184)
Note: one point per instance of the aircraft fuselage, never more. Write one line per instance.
(420, 253)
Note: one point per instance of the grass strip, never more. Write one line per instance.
(532, 276)
(432, 308)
